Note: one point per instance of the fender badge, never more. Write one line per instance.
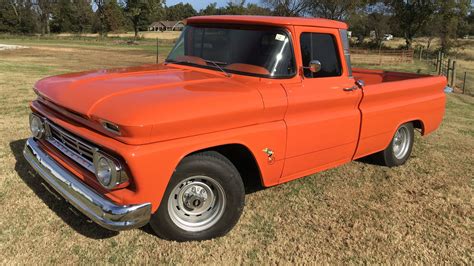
(269, 153)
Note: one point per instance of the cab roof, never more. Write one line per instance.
(269, 20)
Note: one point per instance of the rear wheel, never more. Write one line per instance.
(399, 149)
(204, 199)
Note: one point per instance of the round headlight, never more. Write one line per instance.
(36, 126)
(108, 171)
(104, 171)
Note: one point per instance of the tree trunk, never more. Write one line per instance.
(135, 26)
(43, 26)
(18, 17)
(430, 39)
(408, 42)
(48, 29)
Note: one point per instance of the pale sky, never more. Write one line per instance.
(200, 4)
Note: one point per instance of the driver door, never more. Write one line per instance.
(323, 119)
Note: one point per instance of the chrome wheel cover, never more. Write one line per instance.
(401, 143)
(196, 203)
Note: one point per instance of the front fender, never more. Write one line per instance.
(153, 165)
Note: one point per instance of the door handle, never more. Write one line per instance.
(353, 88)
(358, 85)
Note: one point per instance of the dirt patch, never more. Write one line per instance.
(10, 47)
(56, 49)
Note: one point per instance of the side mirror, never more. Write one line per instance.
(314, 66)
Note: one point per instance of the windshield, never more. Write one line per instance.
(254, 51)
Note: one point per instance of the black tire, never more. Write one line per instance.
(393, 156)
(197, 171)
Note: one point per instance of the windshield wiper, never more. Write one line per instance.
(215, 63)
(227, 74)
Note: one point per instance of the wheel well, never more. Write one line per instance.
(419, 125)
(244, 161)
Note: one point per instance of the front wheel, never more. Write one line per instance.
(204, 199)
(399, 149)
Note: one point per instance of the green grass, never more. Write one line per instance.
(359, 213)
(415, 67)
(91, 43)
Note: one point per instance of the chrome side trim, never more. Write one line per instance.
(99, 209)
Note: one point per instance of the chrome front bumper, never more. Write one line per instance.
(99, 209)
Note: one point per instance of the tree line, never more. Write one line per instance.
(102, 16)
(446, 19)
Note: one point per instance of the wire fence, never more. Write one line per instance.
(458, 71)
(379, 57)
(459, 79)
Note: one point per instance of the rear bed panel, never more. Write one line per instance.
(386, 105)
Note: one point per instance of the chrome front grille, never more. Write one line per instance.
(71, 146)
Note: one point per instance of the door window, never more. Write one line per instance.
(321, 47)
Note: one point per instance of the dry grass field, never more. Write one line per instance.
(359, 213)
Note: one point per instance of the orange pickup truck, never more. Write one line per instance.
(239, 98)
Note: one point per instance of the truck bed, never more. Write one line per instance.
(391, 99)
(370, 76)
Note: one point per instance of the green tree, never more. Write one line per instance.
(235, 8)
(115, 19)
(470, 23)
(84, 16)
(370, 18)
(179, 11)
(16, 16)
(431, 31)
(157, 11)
(100, 19)
(411, 16)
(359, 26)
(210, 9)
(44, 9)
(141, 12)
(450, 13)
(254, 9)
(28, 18)
(333, 9)
(63, 16)
(288, 8)
(71, 16)
(378, 22)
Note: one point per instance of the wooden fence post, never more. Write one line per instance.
(380, 55)
(438, 63)
(453, 75)
(157, 53)
(448, 68)
(441, 63)
(464, 84)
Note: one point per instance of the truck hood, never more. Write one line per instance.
(156, 102)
